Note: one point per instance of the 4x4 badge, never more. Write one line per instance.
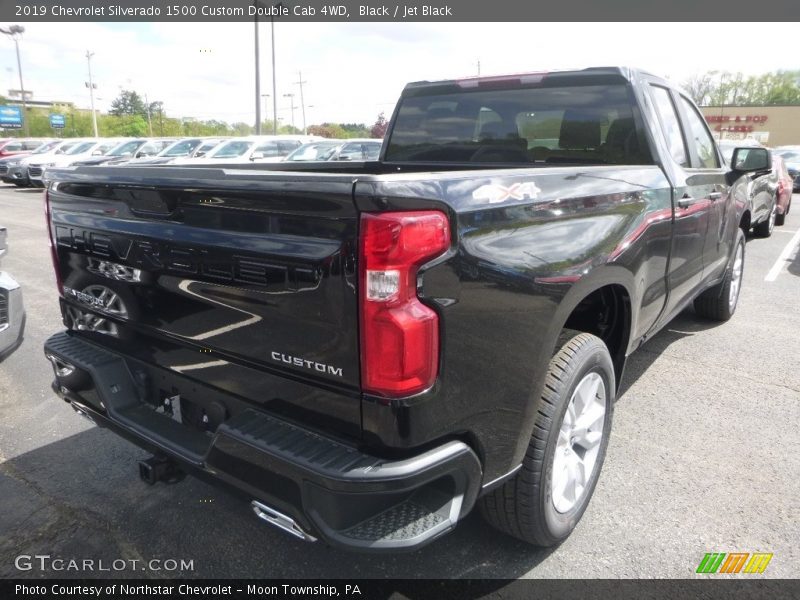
(494, 193)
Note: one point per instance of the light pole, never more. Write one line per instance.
(291, 99)
(91, 87)
(274, 85)
(278, 5)
(258, 72)
(15, 33)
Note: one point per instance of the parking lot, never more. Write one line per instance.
(703, 458)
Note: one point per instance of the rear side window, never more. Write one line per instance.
(670, 125)
(698, 136)
(582, 124)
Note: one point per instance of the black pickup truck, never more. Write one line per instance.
(367, 351)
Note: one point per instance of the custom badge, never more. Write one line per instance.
(494, 193)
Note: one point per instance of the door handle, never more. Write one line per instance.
(686, 201)
(715, 196)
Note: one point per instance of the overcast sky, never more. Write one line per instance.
(356, 70)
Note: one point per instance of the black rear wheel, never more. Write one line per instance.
(720, 302)
(766, 227)
(546, 498)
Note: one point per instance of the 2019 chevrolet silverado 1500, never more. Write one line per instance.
(367, 351)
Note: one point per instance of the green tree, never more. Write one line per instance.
(328, 130)
(128, 103)
(246, 128)
(725, 88)
(356, 130)
(129, 126)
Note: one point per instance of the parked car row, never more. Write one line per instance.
(25, 162)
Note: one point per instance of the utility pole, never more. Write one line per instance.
(291, 99)
(91, 87)
(479, 67)
(149, 122)
(300, 82)
(15, 33)
(274, 84)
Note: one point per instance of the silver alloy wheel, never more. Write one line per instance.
(578, 442)
(772, 217)
(108, 301)
(736, 277)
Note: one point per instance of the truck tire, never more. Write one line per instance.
(546, 498)
(766, 227)
(719, 302)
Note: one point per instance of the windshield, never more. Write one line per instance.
(181, 148)
(320, 151)
(125, 148)
(583, 124)
(232, 149)
(80, 148)
(207, 146)
(46, 147)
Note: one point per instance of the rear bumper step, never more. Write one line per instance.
(300, 481)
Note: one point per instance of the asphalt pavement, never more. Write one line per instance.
(703, 458)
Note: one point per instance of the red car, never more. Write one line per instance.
(18, 146)
(784, 193)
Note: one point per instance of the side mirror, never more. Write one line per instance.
(747, 160)
(97, 153)
(257, 156)
(200, 154)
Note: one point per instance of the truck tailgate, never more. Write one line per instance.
(232, 278)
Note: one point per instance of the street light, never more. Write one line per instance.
(15, 33)
(92, 87)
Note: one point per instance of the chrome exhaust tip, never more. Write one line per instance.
(281, 521)
(61, 367)
(82, 411)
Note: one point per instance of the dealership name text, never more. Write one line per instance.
(58, 589)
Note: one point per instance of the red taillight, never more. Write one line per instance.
(53, 249)
(399, 334)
